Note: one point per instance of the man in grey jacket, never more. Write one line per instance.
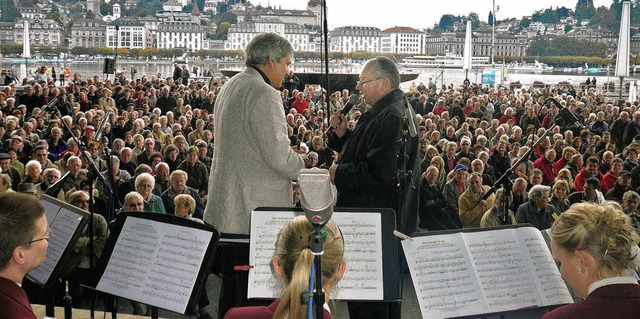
(252, 164)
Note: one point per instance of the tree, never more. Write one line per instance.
(568, 28)
(447, 21)
(222, 31)
(490, 18)
(584, 9)
(475, 20)
(9, 11)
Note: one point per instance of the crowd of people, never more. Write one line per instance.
(152, 140)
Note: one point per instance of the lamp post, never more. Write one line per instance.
(493, 35)
(115, 57)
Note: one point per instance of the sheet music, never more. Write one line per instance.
(443, 276)
(155, 263)
(63, 224)
(549, 281)
(469, 273)
(363, 279)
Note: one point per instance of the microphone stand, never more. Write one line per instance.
(315, 282)
(91, 175)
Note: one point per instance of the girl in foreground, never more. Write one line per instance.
(292, 264)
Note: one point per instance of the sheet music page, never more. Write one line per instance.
(501, 269)
(443, 276)
(363, 279)
(552, 289)
(63, 223)
(155, 263)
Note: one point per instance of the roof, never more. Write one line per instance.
(401, 30)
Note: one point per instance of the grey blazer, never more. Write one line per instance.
(252, 163)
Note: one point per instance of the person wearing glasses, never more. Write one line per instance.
(23, 247)
(77, 266)
(367, 173)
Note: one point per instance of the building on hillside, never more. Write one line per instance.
(88, 33)
(31, 13)
(211, 6)
(6, 32)
(596, 35)
(453, 43)
(115, 15)
(240, 34)
(301, 17)
(131, 34)
(172, 6)
(180, 35)
(42, 32)
(355, 39)
(402, 40)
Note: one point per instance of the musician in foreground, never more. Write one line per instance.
(596, 247)
(292, 264)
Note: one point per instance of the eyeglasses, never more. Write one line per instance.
(47, 236)
(361, 82)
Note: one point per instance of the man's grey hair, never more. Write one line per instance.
(385, 67)
(539, 191)
(266, 46)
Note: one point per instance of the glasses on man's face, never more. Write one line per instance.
(47, 236)
(363, 82)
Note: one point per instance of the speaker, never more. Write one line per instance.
(109, 66)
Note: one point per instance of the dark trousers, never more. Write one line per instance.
(234, 283)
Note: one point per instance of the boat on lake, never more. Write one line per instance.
(449, 61)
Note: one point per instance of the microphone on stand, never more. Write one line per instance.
(353, 99)
(565, 113)
(317, 198)
(101, 127)
(55, 101)
(411, 119)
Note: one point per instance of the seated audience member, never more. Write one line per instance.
(537, 211)
(23, 247)
(161, 175)
(472, 206)
(495, 216)
(560, 195)
(197, 172)
(622, 185)
(76, 268)
(590, 193)
(590, 170)
(144, 186)
(630, 201)
(179, 186)
(610, 177)
(596, 247)
(519, 193)
(133, 202)
(292, 264)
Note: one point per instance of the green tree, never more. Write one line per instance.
(447, 21)
(475, 20)
(568, 28)
(222, 31)
(9, 11)
(585, 9)
(605, 18)
(490, 18)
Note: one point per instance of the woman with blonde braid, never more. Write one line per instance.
(292, 263)
(597, 248)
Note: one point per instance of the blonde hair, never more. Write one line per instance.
(186, 200)
(295, 258)
(604, 231)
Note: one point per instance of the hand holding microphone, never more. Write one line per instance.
(338, 121)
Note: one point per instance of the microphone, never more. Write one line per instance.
(353, 99)
(565, 113)
(317, 198)
(411, 122)
(52, 103)
(101, 127)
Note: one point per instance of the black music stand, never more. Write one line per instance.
(157, 259)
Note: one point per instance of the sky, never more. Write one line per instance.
(420, 14)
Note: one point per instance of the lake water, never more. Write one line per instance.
(446, 76)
